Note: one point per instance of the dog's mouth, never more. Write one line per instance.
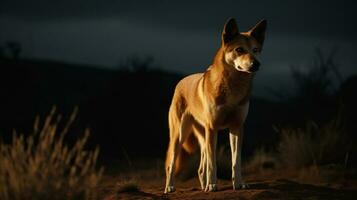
(251, 70)
(254, 69)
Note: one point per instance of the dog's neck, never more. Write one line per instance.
(227, 82)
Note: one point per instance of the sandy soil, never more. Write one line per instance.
(147, 182)
(269, 189)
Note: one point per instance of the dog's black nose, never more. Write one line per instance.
(255, 66)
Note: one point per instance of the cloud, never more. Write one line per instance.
(292, 17)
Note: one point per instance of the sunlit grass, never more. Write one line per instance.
(42, 166)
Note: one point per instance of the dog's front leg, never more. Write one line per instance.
(211, 143)
(202, 171)
(236, 141)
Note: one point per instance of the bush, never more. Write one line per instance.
(42, 166)
(313, 145)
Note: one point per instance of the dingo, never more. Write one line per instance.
(204, 103)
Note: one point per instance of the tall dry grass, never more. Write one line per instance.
(313, 144)
(42, 166)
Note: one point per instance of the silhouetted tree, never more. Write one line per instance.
(318, 81)
(316, 88)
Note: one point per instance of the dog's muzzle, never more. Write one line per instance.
(255, 66)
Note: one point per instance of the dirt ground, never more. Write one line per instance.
(272, 189)
(149, 184)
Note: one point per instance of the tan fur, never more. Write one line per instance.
(204, 103)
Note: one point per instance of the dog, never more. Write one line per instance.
(204, 103)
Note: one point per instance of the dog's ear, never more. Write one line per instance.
(258, 31)
(230, 31)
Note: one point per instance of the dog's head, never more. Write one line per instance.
(241, 50)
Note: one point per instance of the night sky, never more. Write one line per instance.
(182, 36)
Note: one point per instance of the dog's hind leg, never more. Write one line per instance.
(202, 169)
(173, 150)
(179, 131)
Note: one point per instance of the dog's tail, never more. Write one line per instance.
(188, 148)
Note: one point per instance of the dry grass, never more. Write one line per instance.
(42, 166)
(297, 148)
(311, 154)
(262, 160)
(313, 145)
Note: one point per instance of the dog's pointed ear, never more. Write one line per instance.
(258, 31)
(230, 31)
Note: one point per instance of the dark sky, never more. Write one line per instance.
(181, 35)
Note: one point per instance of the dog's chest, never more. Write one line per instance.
(229, 99)
(228, 115)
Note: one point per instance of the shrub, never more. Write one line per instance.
(42, 166)
(313, 144)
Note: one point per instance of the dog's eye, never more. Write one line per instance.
(255, 50)
(240, 50)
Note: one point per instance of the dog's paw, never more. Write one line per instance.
(211, 188)
(240, 186)
(169, 189)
